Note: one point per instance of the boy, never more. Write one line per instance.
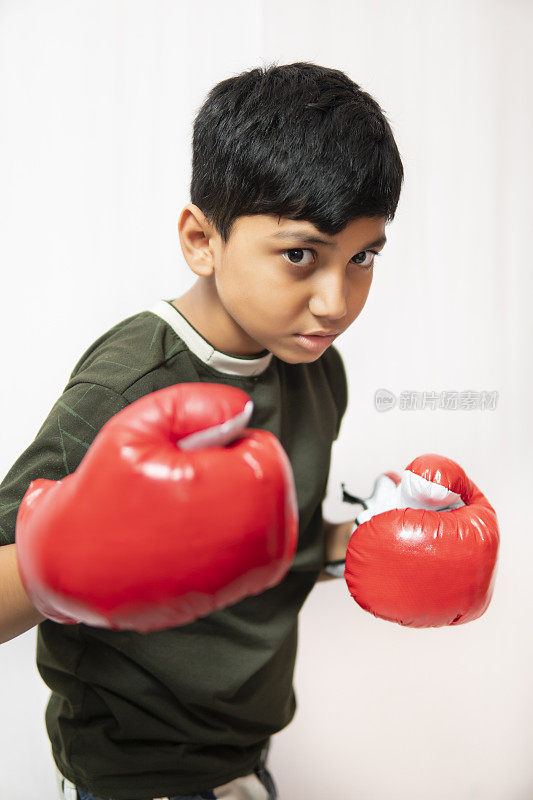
(295, 174)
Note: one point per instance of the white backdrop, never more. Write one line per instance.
(97, 101)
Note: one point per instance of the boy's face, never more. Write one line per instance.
(268, 283)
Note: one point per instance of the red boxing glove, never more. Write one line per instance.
(176, 510)
(410, 563)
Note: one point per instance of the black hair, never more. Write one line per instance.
(297, 140)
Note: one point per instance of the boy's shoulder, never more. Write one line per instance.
(334, 366)
(333, 361)
(128, 351)
(336, 374)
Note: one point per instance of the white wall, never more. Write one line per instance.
(97, 101)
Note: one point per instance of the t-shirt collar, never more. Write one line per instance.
(223, 362)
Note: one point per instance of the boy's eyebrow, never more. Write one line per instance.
(310, 239)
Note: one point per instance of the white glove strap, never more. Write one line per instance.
(335, 568)
(412, 492)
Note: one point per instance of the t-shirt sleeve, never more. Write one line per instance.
(59, 446)
(338, 383)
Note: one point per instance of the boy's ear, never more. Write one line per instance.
(195, 235)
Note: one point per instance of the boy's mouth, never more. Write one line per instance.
(314, 342)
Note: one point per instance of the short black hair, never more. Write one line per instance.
(297, 140)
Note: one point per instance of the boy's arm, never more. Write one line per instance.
(336, 538)
(17, 612)
(58, 448)
(336, 534)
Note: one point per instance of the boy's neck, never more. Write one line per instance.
(201, 306)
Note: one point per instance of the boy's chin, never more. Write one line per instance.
(302, 357)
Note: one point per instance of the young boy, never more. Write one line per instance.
(295, 174)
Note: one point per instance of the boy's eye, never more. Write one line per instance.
(366, 262)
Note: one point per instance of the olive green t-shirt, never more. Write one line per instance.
(181, 710)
